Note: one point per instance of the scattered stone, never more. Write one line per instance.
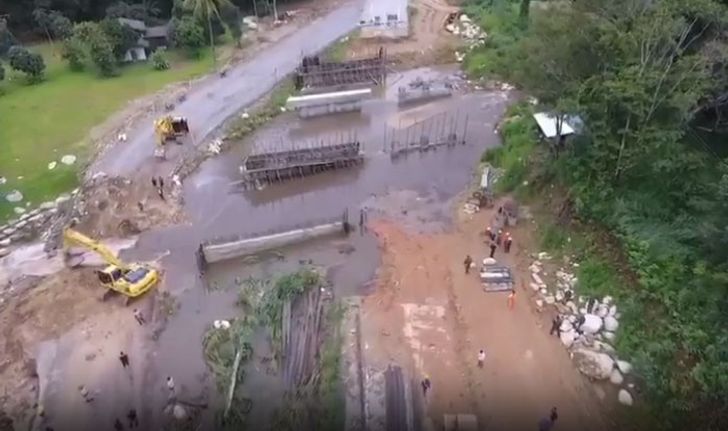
(624, 397)
(9, 231)
(549, 299)
(604, 347)
(602, 311)
(593, 364)
(62, 199)
(534, 286)
(543, 256)
(90, 356)
(610, 336)
(5, 242)
(464, 18)
(559, 296)
(616, 377)
(19, 210)
(47, 205)
(52, 165)
(14, 196)
(3, 180)
(624, 366)
(567, 338)
(592, 324)
(566, 326)
(68, 159)
(4, 252)
(611, 324)
(607, 300)
(539, 303)
(544, 291)
(574, 309)
(179, 412)
(537, 279)
(613, 310)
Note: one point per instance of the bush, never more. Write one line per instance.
(73, 53)
(2, 72)
(30, 63)
(188, 35)
(60, 26)
(159, 59)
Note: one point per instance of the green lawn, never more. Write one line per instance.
(41, 123)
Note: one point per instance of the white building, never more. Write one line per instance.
(385, 18)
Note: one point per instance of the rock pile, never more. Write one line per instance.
(588, 327)
(471, 33)
(29, 225)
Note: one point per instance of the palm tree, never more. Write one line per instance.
(207, 9)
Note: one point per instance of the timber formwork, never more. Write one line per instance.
(284, 165)
(314, 73)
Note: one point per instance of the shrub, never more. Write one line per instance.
(30, 63)
(159, 59)
(122, 37)
(189, 35)
(73, 53)
(2, 72)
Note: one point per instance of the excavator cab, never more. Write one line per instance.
(170, 128)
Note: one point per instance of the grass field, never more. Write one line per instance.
(41, 123)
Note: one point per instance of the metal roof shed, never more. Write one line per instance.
(547, 124)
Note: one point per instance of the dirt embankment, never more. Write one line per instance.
(427, 44)
(431, 318)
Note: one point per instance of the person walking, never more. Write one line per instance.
(133, 420)
(170, 384)
(507, 243)
(117, 425)
(489, 233)
(160, 188)
(154, 182)
(468, 262)
(426, 385)
(481, 358)
(139, 317)
(124, 359)
(492, 249)
(512, 299)
(161, 182)
(499, 237)
(556, 325)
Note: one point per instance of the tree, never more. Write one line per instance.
(30, 63)
(97, 48)
(60, 26)
(74, 53)
(187, 34)
(123, 9)
(43, 20)
(230, 15)
(525, 9)
(2, 72)
(122, 37)
(7, 40)
(207, 9)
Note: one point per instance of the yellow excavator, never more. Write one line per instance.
(169, 128)
(131, 280)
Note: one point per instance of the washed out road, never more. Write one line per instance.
(215, 99)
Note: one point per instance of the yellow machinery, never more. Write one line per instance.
(170, 128)
(131, 280)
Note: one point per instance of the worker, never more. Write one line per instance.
(133, 420)
(160, 188)
(426, 385)
(554, 415)
(481, 358)
(556, 326)
(140, 205)
(579, 322)
(512, 299)
(124, 359)
(499, 237)
(492, 249)
(489, 233)
(154, 182)
(468, 262)
(507, 243)
(170, 384)
(139, 317)
(117, 425)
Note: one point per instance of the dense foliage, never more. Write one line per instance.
(159, 59)
(649, 80)
(30, 63)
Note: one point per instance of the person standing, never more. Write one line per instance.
(426, 385)
(154, 182)
(507, 243)
(124, 359)
(117, 425)
(489, 233)
(139, 317)
(85, 394)
(492, 249)
(512, 299)
(481, 358)
(170, 384)
(133, 420)
(499, 237)
(468, 262)
(556, 326)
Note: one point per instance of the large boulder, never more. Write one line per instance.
(568, 337)
(593, 364)
(624, 366)
(602, 311)
(613, 310)
(592, 324)
(616, 377)
(566, 326)
(538, 280)
(611, 324)
(624, 398)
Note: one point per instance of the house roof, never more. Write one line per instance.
(133, 23)
(547, 123)
(157, 31)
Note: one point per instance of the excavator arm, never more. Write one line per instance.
(72, 237)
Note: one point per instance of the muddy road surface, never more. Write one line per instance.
(215, 99)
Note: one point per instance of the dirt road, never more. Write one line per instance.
(425, 301)
(215, 99)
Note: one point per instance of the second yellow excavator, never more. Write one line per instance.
(131, 280)
(169, 128)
